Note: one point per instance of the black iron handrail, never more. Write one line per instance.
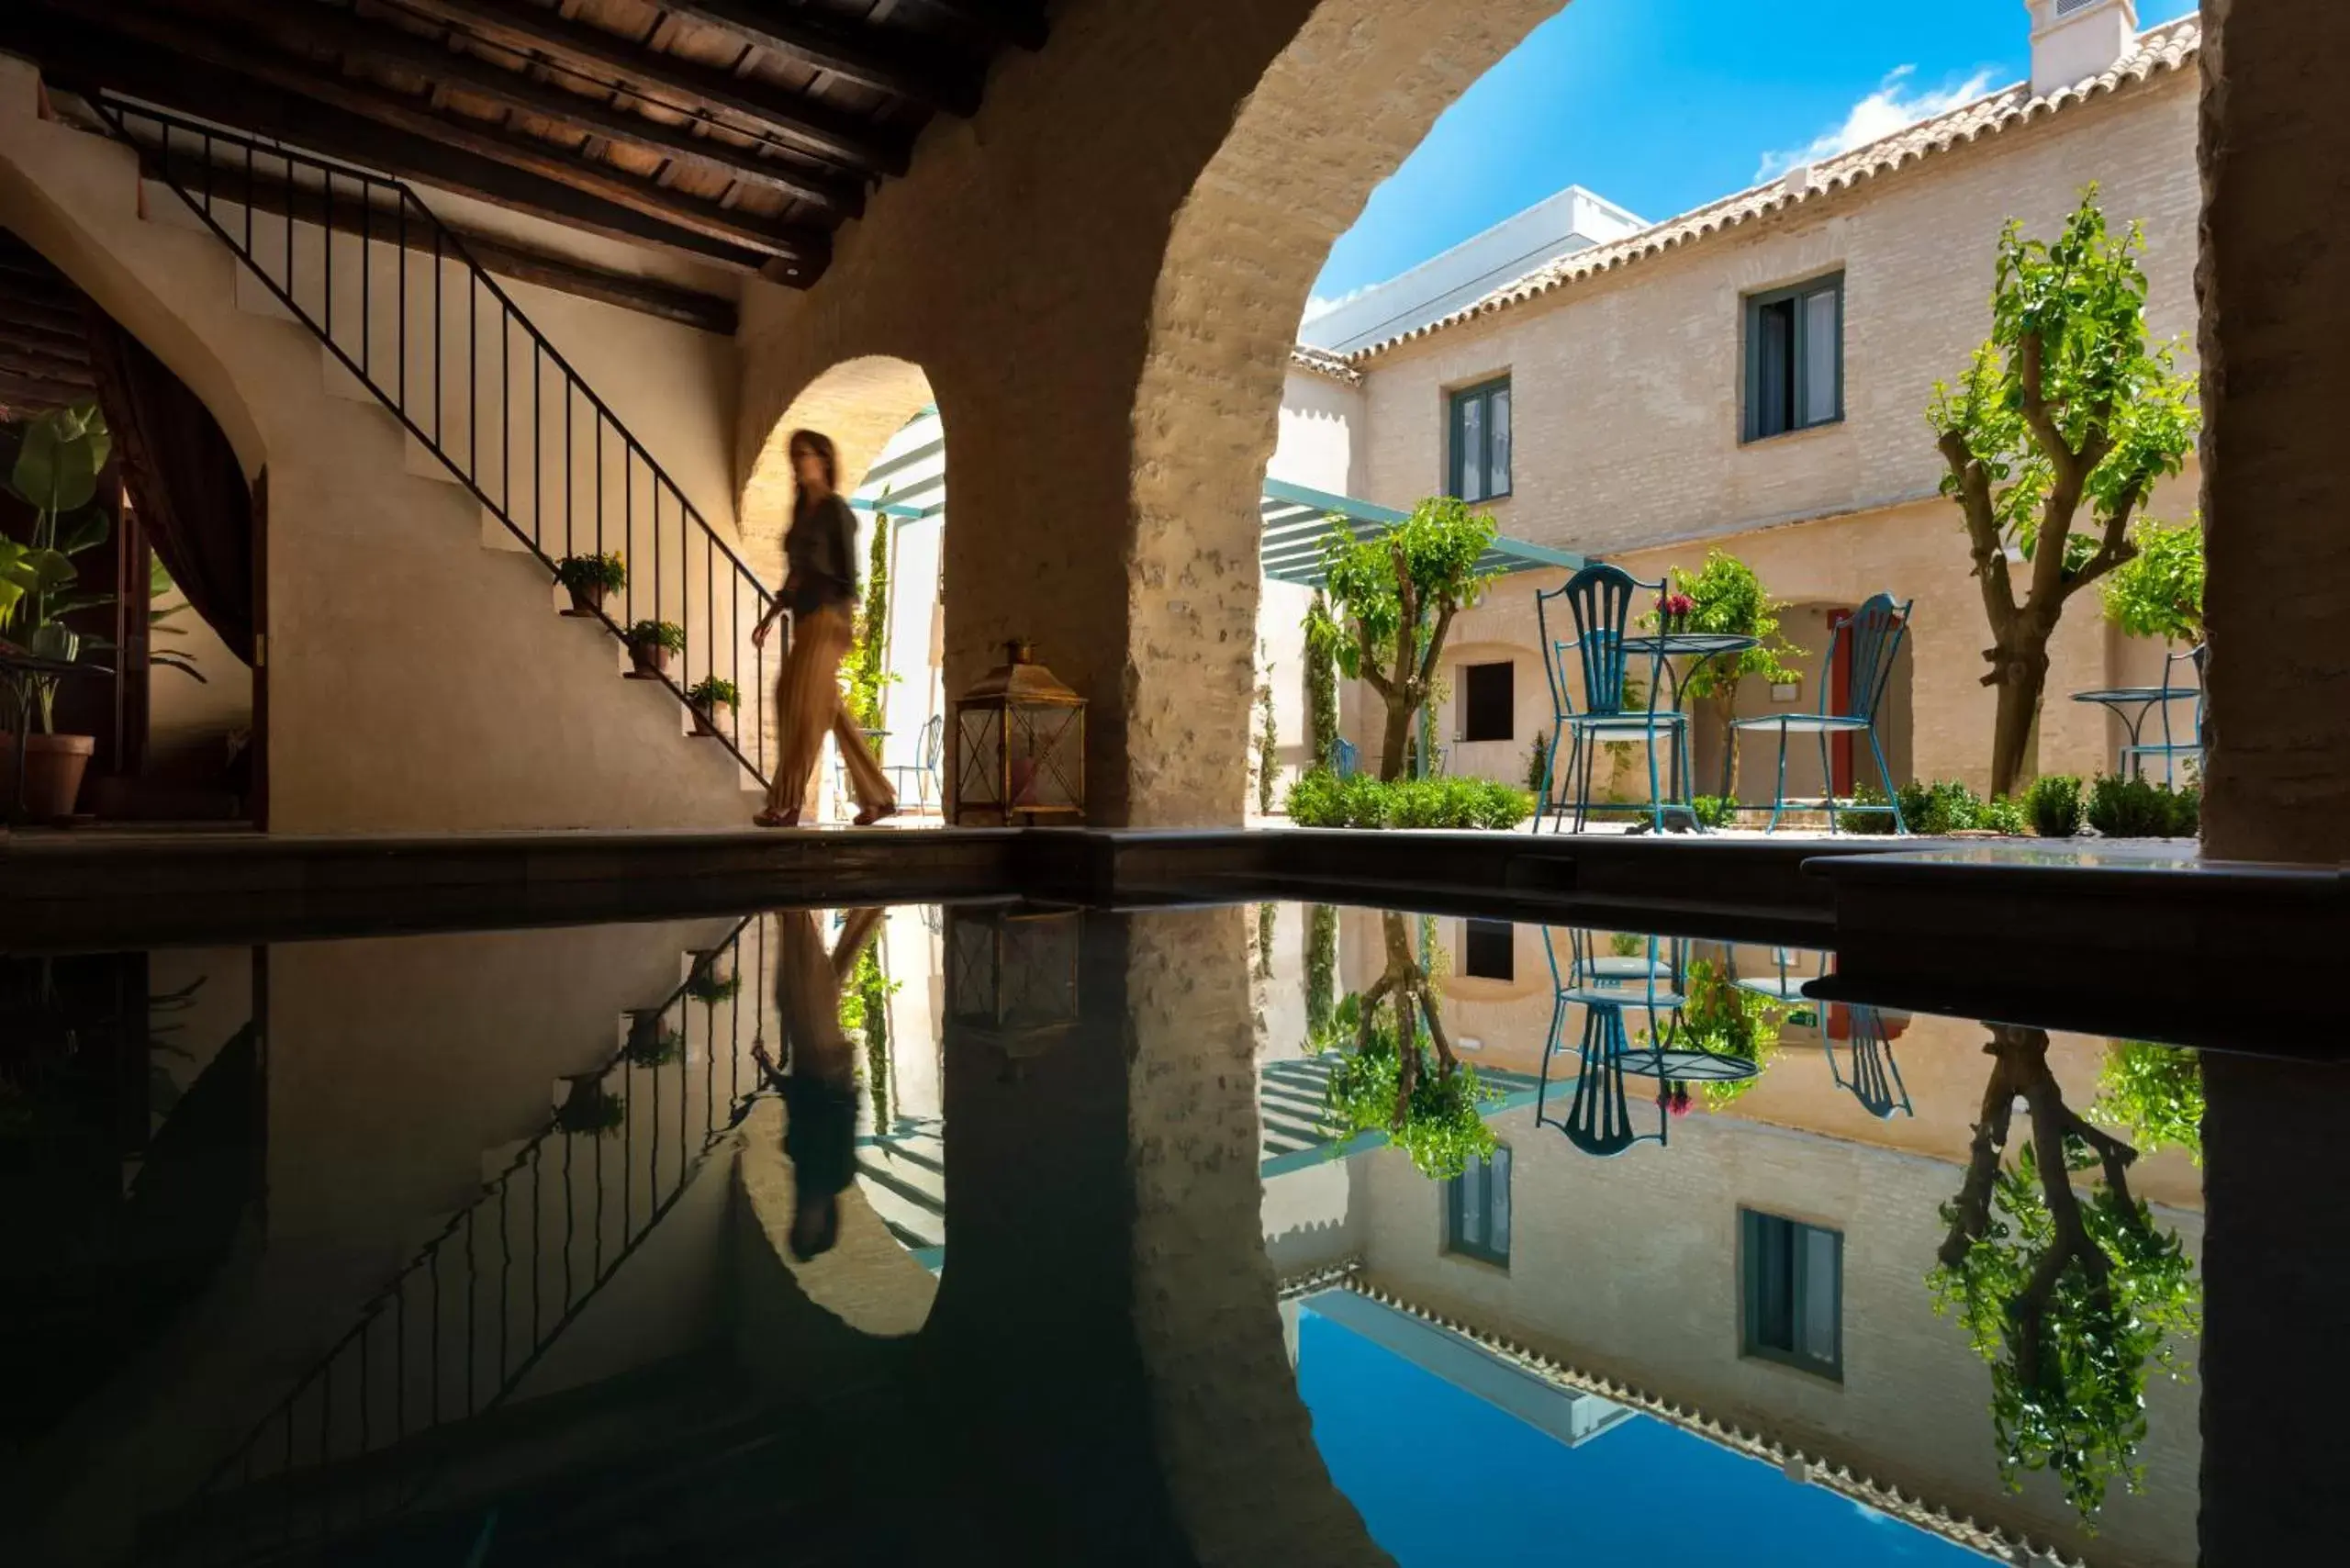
(214, 169)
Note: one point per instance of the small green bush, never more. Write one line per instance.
(2001, 814)
(2054, 804)
(1321, 799)
(1714, 811)
(714, 692)
(1867, 813)
(2135, 808)
(607, 571)
(1538, 763)
(658, 635)
(1945, 805)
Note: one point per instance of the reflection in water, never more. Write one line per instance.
(2068, 1300)
(497, 1253)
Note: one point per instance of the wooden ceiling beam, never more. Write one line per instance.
(892, 63)
(78, 57)
(345, 34)
(249, 58)
(1020, 23)
(677, 83)
(33, 394)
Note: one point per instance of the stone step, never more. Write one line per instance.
(912, 1224)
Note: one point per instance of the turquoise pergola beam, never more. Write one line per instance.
(1299, 519)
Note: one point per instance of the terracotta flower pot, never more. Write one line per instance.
(53, 769)
(649, 659)
(587, 598)
(705, 718)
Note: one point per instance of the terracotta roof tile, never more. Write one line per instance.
(2169, 48)
(1322, 362)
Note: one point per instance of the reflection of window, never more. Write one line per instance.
(1794, 358)
(1488, 950)
(1489, 701)
(1478, 468)
(1795, 1292)
(1476, 1206)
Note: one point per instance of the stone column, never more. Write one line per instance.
(2275, 351)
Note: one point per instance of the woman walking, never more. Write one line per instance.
(819, 589)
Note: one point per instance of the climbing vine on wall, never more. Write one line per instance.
(1321, 964)
(1322, 679)
(867, 666)
(1269, 740)
(865, 1010)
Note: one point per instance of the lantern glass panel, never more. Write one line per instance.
(1048, 751)
(978, 756)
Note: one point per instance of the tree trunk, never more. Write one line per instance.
(1726, 702)
(1399, 734)
(2019, 711)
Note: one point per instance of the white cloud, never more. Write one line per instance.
(1890, 108)
(1323, 303)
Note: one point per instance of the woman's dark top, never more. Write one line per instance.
(819, 1132)
(821, 548)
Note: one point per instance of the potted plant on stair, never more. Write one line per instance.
(706, 697)
(650, 644)
(55, 471)
(590, 580)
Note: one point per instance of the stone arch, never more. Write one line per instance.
(860, 402)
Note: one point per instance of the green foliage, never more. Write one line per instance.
(1441, 1127)
(2155, 1093)
(1627, 945)
(55, 471)
(1538, 763)
(1321, 965)
(1321, 799)
(652, 1042)
(866, 669)
(2158, 592)
(1323, 636)
(658, 635)
(588, 1110)
(1397, 594)
(608, 571)
(1266, 922)
(710, 989)
(1944, 805)
(2054, 804)
(2003, 814)
(714, 692)
(159, 618)
(1726, 596)
(2134, 807)
(2068, 1393)
(865, 1011)
(1719, 1017)
(1714, 811)
(1269, 738)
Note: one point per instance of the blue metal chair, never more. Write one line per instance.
(924, 770)
(2169, 748)
(1874, 631)
(1600, 597)
(1873, 1078)
(1344, 759)
(1599, 1116)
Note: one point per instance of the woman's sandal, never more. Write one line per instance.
(872, 814)
(777, 819)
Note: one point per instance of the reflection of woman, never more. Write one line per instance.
(820, 1092)
(820, 591)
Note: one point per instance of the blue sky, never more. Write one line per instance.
(1664, 104)
(1444, 1479)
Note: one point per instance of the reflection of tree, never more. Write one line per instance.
(2155, 1093)
(1382, 1079)
(1724, 1019)
(2066, 1298)
(1321, 965)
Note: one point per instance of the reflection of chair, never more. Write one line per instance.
(2170, 749)
(1874, 637)
(1873, 1078)
(924, 769)
(1787, 979)
(1599, 1119)
(1600, 598)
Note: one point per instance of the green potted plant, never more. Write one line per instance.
(706, 697)
(650, 644)
(710, 989)
(652, 1042)
(589, 579)
(55, 471)
(589, 1109)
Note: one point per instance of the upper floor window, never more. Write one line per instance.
(1489, 949)
(1794, 358)
(1795, 1292)
(1489, 701)
(1476, 1210)
(1480, 441)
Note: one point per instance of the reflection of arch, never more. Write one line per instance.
(867, 1280)
(860, 403)
(1352, 93)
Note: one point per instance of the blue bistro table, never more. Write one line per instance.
(2131, 704)
(1696, 649)
(1676, 1064)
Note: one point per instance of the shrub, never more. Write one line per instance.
(1942, 806)
(607, 571)
(2002, 814)
(1538, 763)
(1321, 799)
(1714, 811)
(2134, 808)
(2054, 804)
(714, 692)
(658, 635)
(1867, 813)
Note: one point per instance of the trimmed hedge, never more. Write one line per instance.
(1322, 799)
(2133, 808)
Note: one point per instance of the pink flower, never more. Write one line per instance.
(1678, 604)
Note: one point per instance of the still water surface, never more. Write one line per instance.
(1278, 1235)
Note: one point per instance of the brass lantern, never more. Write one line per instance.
(1019, 746)
(1011, 978)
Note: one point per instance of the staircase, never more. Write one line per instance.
(367, 1436)
(435, 418)
(902, 1175)
(1290, 1097)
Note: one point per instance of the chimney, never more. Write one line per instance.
(2075, 40)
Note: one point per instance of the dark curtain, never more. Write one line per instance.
(184, 478)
